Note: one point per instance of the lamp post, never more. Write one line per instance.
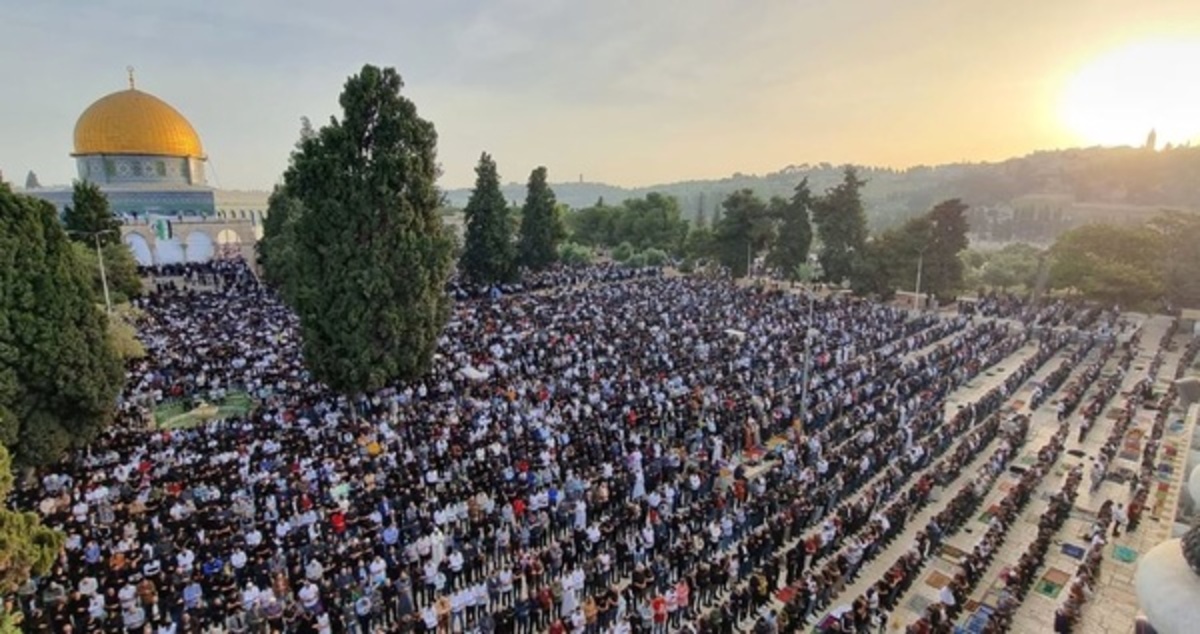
(933, 224)
(920, 266)
(100, 257)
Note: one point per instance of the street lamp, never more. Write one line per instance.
(100, 256)
(921, 262)
(920, 265)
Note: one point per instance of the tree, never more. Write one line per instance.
(27, 547)
(59, 375)
(1111, 264)
(574, 254)
(1014, 265)
(790, 249)
(652, 222)
(841, 225)
(541, 224)
(594, 226)
(743, 230)
(489, 255)
(276, 247)
(368, 257)
(699, 243)
(31, 181)
(1180, 235)
(89, 218)
(120, 268)
(872, 273)
(942, 270)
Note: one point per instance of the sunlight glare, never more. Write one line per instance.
(1118, 98)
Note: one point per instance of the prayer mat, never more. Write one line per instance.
(1006, 486)
(1078, 453)
(1018, 404)
(1124, 554)
(987, 515)
(1027, 460)
(951, 554)
(785, 594)
(1113, 414)
(1017, 470)
(937, 580)
(1073, 551)
(918, 603)
(1054, 575)
(1047, 589)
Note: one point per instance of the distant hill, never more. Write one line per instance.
(1135, 177)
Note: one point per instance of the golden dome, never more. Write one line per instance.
(133, 122)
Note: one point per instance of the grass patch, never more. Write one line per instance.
(177, 414)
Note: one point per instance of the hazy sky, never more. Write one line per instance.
(622, 91)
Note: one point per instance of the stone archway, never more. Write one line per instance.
(229, 244)
(143, 252)
(200, 246)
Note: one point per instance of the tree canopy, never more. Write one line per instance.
(541, 224)
(1113, 264)
(742, 232)
(276, 247)
(841, 225)
(489, 254)
(1015, 265)
(1180, 249)
(942, 270)
(27, 548)
(365, 257)
(59, 374)
(88, 217)
(120, 267)
(789, 252)
(931, 242)
(652, 222)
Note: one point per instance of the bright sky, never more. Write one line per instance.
(630, 92)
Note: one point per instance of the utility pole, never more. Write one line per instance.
(103, 274)
(100, 257)
(920, 265)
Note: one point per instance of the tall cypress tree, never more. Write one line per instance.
(59, 374)
(369, 257)
(489, 255)
(541, 226)
(88, 217)
(791, 246)
(842, 226)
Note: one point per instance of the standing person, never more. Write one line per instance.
(1119, 519)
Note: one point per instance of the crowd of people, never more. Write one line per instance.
(599, 457)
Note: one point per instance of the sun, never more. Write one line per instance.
(1119, 97)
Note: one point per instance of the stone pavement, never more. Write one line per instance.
(1113, 607)
(971, 391)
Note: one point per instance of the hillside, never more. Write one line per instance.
(1134, 177)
